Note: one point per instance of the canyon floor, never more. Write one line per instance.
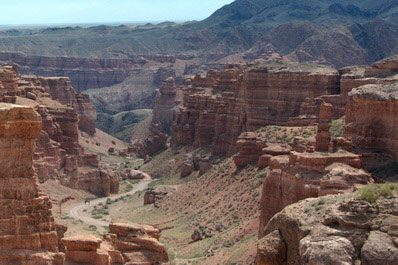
(224, 199)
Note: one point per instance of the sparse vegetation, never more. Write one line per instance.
(373, 192)
(119, 124)
(337, 127)
(280, 134)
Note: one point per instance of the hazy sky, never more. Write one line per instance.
(88, 11)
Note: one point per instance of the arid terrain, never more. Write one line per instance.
(264, 134)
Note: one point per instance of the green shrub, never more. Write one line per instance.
(373, 192)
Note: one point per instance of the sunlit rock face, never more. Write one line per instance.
(27, 230)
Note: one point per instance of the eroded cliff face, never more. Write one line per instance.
(85, 73)
(220, 105)
(165, 111)
(372, 118)
(63, 112)
(28, 234)
(247, 97)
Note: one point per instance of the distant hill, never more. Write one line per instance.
(339, 32)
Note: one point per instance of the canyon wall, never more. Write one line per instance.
(63, 112)
(28, 234)
(85, 73)
(219, 106)
(372, 118)
(247, 97)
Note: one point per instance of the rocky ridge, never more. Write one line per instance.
(84, 73)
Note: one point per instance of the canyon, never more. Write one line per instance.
(257, 141)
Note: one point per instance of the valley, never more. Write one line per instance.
(263, 134)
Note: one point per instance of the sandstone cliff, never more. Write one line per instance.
(85, 73)
(28, 233)
(248, 97)
(63, 112)
(372, 118)
(165, 106)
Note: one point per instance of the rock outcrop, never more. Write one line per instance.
(323, 136)
(153, 195)
(126, 243)
(372, 118)
(61, 90)
(28, 233)
(332, 230)
(154, 143)
(85, 249)
(165, 110)
(65, 114)
(85, 73)
(248, 97)
(302, 175)
(139, 244)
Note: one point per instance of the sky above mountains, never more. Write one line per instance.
(105, 11)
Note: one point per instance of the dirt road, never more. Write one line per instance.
(78, 212)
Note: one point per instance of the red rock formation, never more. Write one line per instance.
(303, 175)
(59, 154)
(372, 118)
(323, 136)
(254, 96)
(139, 244)
(250, 149)
(61, 90)
(28, 234)
(154, 143)
(85, 249)
(153, 195)
(85, 73)
(165, 110)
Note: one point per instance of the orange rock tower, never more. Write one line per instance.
(27, 229)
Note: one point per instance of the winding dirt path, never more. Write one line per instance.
(78, 212)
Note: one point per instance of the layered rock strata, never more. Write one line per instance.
(219, 106)
(86, 250)
(248, 97)
(372, 118)
(139, 244)
(28, 233)
(85, 73)
(297, 171)
(302, 175)
(332, 230)
(61, 90)
(154, 143)
(323, 136)
(165, 110)
(65, 113)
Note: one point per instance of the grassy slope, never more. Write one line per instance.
(121, 124)
(224, 197)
